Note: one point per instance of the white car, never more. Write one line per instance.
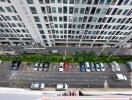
(0, 62)
(37, 85)
(41, 67)
(117, 67)
(61, 87)
(98, 68)
(87, 65)
(102, 67)
(61, 69)
(36, 65)
(119, 77)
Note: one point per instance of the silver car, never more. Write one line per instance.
(37, 85)
(117, 67)
(112, 67)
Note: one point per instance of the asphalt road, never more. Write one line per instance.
(26, 75)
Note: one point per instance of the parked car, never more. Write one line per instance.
(15, 65)
(61, 87)
(113, 69)
(0, 62)
(82, 67)
(117, 67)
(87, 66)
(46, 66)
(102, 67)
(37, 86)
(61, 67)
(36, 66)
(97, 67)
(41, 67)
(66, 65)
(129, 65)
(12, 64)
(92, 65)
(119, 77)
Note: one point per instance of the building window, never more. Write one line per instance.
(48, 9)
(125, 2)
(74, 19)
(59, 10)
(52, 1)
(47, 1)
(90, 19)
(114, 2)
(14, 17)
(104, 10)
(71, 1)
(94, 19)
(2, 9)
(93, 10)
(14, 9)
(96, 1)
(8, 17)
(41, 1)
(89, 2)
(30, 1)
(98, 10)
(76, 10)
(129, 13)
(114, 11)
(113, 20)
(87, 10)
(65, 9)
(59, 1)
(109, 20)
(82, 11)
(3, 0)
(100, 19)
(119, 12)
(43, 10)
(108, 11)
(65, 1)
(41, 31)
(8, 9)
(55, 19)
(36, 18)
(104, 19)
(60, 18)
(53, 9)
(108, 2)
(120, 2)
(39, 26)
(125, 11)
(33, 10)
(101, 2)
(70, 10)
(77, 1)
(84, 1)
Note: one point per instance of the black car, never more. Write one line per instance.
(15, 65)
(46, 66)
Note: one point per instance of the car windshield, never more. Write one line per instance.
(61, 67)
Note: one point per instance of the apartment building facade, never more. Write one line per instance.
(66, 22)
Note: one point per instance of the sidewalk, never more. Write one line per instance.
(52, 90)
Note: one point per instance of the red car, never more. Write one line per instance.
(66, 65)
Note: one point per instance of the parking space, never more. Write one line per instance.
(73, 76)
(5, 65)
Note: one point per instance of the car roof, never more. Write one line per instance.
(120, 76)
